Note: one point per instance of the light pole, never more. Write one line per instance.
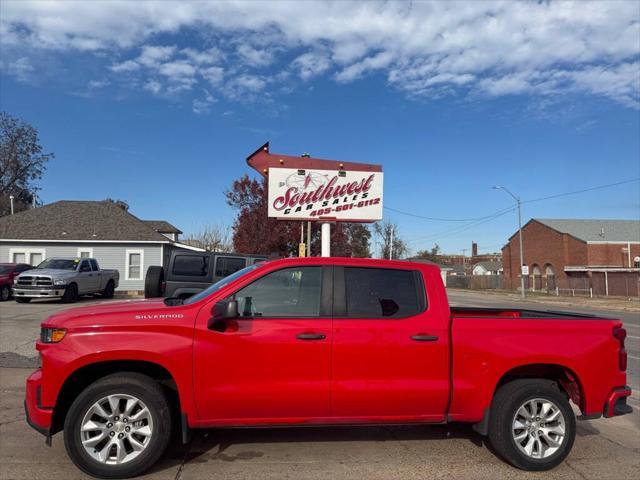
(517, 199)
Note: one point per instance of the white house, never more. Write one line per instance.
(487, 268)
(102, 230)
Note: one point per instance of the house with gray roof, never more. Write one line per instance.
(98, 229)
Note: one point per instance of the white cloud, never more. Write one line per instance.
(203, 105)
(489, 48)
(21, 69)
(153, 86)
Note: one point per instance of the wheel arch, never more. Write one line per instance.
(564, 377)
(87, 374)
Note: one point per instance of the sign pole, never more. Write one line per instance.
(326, 239)
(308, 239)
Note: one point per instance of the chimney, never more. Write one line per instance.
(474, 249)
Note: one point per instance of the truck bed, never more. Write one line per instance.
(482, 312)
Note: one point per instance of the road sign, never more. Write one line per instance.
(525, 270)
(315, 194)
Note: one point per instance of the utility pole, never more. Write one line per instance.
(308, 239)
(464, 259)
(518, 202)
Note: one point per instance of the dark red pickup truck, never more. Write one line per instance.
(320, 341)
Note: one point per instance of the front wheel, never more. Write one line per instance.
(109, 290)
(532, 424)
(70, 294)
(118, 427)
(5, 293)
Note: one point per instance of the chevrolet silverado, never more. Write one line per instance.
(315, 341)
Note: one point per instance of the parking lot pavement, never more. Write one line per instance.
(603, 448)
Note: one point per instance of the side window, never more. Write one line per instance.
(290, 292)
(94, 264)
(85, 267)
(225, 266)
(382, 293)
(191, 265)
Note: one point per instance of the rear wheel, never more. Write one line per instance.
(153, 282)
(5, 293)
(532, 424)
(118, 427)
(22, 300)
(108, 290)
(70, 293)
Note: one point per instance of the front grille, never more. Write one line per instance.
(34, 281)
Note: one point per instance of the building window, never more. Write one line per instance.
(32, 256)
(85, 252)
(134, 264)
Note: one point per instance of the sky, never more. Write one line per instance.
(160, 102)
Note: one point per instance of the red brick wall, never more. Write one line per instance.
(611, 255)
(542, 246)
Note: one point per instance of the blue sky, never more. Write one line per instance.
(159, 103)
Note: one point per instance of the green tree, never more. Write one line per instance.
(431, 254)
(22, 163)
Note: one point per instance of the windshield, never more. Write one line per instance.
(59, 264)
(219, 284)
(5, 269)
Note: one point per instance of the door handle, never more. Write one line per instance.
(422, 337)
(311, 336)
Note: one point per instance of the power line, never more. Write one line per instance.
(436, 219)
(599, 187)
(440, 219)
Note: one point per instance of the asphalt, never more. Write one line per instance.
(603, 449)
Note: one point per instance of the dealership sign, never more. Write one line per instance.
(325, 194)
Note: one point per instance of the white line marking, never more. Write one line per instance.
(631, 336)
(631, 356)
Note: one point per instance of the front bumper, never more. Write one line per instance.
(38, 416)
(39, 292)
(616, 403)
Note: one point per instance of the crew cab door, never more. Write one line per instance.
(271, 364)
(87, 278)
(390, 347)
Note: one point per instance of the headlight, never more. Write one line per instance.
(61, 281)
(52, 335)
(15, 281)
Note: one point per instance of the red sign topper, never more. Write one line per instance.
(261, 161)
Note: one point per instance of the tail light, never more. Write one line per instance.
(620, 333)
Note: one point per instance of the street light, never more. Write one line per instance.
(517, 199)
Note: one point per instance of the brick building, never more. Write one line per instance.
(602, 255)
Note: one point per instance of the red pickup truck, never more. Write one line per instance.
(320, 341)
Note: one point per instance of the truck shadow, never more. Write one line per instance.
(213, 445)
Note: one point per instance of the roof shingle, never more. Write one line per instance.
(77, 220)
(596, 230)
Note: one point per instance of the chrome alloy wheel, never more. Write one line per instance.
(538, 428)
(116, 429)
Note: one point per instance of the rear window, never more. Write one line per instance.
(383, 293)
(190, 265)
(225, 266)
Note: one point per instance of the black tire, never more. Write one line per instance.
(109, 290)
(506, 402)
(22, 300)
(5, 293)
(153, 282)
(70, 293)
(129, 383)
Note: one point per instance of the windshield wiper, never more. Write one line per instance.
(173, 301)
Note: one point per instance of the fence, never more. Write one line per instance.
(476, 282)
(622, 284)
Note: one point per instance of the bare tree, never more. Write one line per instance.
(387, 234)
(22, 163)
(211, 237)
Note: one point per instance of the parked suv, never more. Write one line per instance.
(65, 278)
(191, 272)
(9, 271)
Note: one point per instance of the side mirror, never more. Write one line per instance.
(221, 312)
(225, 309)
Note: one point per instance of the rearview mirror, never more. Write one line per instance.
(225, 309)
